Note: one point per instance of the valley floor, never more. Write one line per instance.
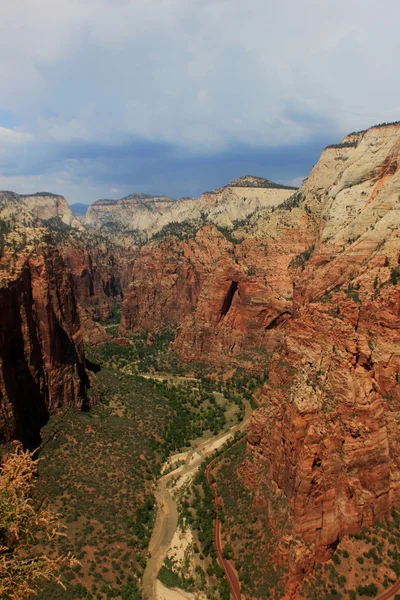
(167, 516)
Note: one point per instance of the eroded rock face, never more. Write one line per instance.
(42, 361)
(247, 295)
(312, 295)
(327, 433)
(308, 291)
(50, 206)
(166, 279)
(143, 216)
(52, 272)
(99, 275)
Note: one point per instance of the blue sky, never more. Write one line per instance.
(104, 97)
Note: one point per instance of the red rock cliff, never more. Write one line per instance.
(312, 294)
(326, 435)
(41, 353)
(166, 278)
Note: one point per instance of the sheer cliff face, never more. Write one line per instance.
(49, 206)
(246, 296)
(142, 216)
(41, 353)
(42, 363)
(326, 437)
(312, 295)
(166, 279)
(99, 274)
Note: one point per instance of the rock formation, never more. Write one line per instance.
(140, 216)
(327, 434)
(301, 284)
(45, 205)
(166, 278)
(308, 290)
(41, 352)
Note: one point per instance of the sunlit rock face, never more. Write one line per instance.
(145, 215)
(308, 291)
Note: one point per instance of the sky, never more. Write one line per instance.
(101, 98)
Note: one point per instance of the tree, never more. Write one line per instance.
(21, 523)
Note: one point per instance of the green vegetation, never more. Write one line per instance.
(248, 541)
(364, 552)
(4, 231)
(294, 201)
(369, 590)
(352, 292)
(301, 259)
(259, 182)
(49, 194)
(22, 568)
(197, 510)
(375, 127)
(99, 468)
(168, 576)
(60, 231)
(228, 234)
(140, 355)
(183, 231)
(352, 144)
(395, 275)
(246, 529)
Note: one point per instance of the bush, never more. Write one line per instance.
(20, 522)
(301, 259)
(369, 590)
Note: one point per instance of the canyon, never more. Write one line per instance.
(301, 286)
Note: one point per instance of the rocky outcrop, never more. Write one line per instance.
(137, 212)
(99, 274)
(247, 295)
(44, 205)
(303, 286)
(41, 353)
(140, 216)
(326, 435)
(309, 292)
(42, 364)
(166, 279)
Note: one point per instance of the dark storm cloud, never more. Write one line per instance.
(101, 97)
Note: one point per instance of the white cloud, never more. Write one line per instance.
(201, 74)
(194, 72)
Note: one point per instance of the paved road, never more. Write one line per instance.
(167, 511)
(389, 594)
(230, 574)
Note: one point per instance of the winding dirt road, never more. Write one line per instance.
(167, 511)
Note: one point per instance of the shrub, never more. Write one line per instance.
(20, 522)
(369, 590)
(301, 259)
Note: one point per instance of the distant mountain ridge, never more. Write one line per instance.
(148, 214)
(258, 182)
